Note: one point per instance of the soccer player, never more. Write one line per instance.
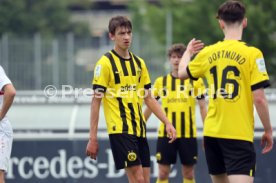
(236, 76)
(7, 93)
(178, 98)
(122, 80)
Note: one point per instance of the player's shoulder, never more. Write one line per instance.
(198, 81)
(105, 59)
(138, 59)
(159, 79)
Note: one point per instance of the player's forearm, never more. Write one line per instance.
(182, 68)
(94, 117)
(155, 107)
(262, 109)
(9, 94)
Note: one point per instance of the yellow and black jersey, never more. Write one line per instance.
(178, 102)
(123, 82)
(233, 70)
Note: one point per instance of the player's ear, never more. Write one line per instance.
(244, 22)
(221, 24)
(111, 36)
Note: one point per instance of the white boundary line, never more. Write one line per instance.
(85, 136)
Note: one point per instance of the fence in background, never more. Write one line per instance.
(32, 63)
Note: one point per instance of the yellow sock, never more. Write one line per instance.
(189, 180)
(162, 181)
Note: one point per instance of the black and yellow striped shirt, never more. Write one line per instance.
(178, 99)
(123, 82)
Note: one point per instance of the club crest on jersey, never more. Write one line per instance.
(131, 156)
(138, 72)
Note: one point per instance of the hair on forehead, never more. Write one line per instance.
(178, 48)
(119, 21)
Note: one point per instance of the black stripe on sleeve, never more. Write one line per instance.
(190, 75)
(262, 84)
(157, 98)
(200, 97)
(147, 86)
(133, 121)
(99, 88)
(123, 115)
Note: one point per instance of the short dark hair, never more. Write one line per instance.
(231, 11)
(118, 21)
(177, 48)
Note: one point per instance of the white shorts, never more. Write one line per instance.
(6, 137)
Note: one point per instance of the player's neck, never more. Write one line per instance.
(174, 73)
(122, 52)
(233, 34)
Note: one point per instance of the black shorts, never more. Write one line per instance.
(129, 150)
(234, 157)
(166, 153)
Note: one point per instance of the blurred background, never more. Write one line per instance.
(48, 48)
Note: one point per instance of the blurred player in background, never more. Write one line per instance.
(7, 93)
(178, 99)
(122, 80)
(237, 76)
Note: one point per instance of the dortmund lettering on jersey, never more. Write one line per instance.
(232, 69)
(178, 101)
(123, 82)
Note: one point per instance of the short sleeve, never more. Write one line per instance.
(259, 77)
(4, 80)
(195, 68)
(145, 78)
(101, 75)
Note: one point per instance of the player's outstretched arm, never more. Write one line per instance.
(263, 112)
(155, 107)
(193, 48)
(9, 94)
(92, 147)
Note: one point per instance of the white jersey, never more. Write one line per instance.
(6, 132)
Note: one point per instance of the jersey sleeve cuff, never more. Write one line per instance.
(200, 97)
(157, 98)
(99, 88)
(147, 86)
(189, 74)
(262, 84)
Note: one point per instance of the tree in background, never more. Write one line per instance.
(196, 18)
(27, 17)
